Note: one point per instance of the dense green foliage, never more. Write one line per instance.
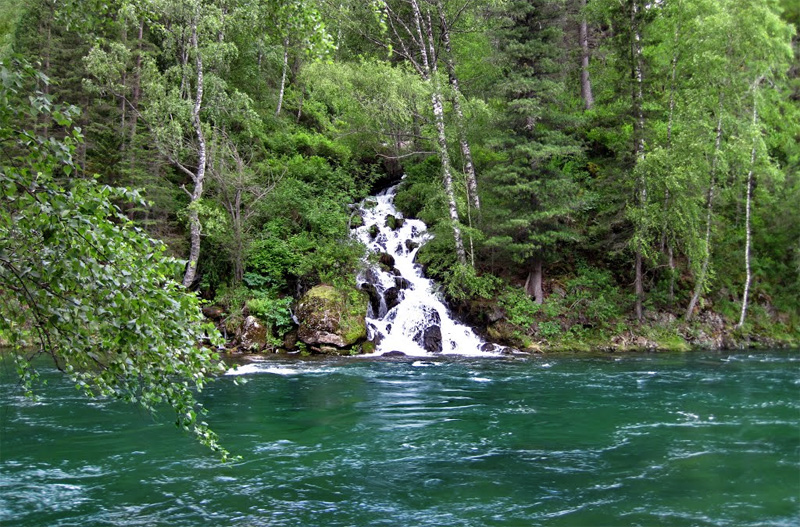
(251, 126)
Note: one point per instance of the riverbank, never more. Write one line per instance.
(664, 333)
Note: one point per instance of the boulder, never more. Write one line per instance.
(386, 260)
(290, 340)
(331, 317)
(374, 297)
(430, 337)
(356, 220)
(215, 313)
(392, 297)
(253, 335)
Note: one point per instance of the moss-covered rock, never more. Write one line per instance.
(332, 317)
(394, 222)
(356, 221)
(253, 335)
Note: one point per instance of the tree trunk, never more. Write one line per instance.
(283, 75)
(666, 227)
(238, 241)
(197, 192)
(639, 149)
(466, 151)
(586, 83)
(748, 206)
(533, 285)
(438, 113)
(698, 286)
(137, 84)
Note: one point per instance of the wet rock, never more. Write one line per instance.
(371, 276)
(411, 245)
(430, 337)
(386, 260)
(488, 347)
(401, 283)
(332, 317)
(373, 231)
(392, 297)
(374, 297)
(252, 335)
(290, 340)
(394, 354)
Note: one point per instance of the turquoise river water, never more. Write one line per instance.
(696, 439)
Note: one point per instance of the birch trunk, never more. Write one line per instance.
(698, 286)
(466, 151)
(199, 176)
(748, 206)
(137, 84)
(283, 75)
(639, 149)
(430, 71)
(586, 83)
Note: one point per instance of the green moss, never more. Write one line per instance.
(346, 304)
(356, 221)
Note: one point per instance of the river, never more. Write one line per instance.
(699, 439)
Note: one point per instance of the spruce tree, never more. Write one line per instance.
(534, 191)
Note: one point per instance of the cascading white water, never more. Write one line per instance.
(405, 315)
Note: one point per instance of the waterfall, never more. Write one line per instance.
(405, 314)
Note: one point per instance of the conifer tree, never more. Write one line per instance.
(534, 190)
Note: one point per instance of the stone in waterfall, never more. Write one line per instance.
(430, 339)
(392, 297)
(393, 222)
(330, 317)
(430, 336)
(386, 260)
(374, 297)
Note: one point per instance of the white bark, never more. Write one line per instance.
(586, 83)
(430, 71)
(466, 151)
(283, 75)
(748, 206)
(698, 286)
(639, 147)
(199, 175)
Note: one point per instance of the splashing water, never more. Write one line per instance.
(405, 314)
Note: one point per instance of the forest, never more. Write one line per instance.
(595, 172)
